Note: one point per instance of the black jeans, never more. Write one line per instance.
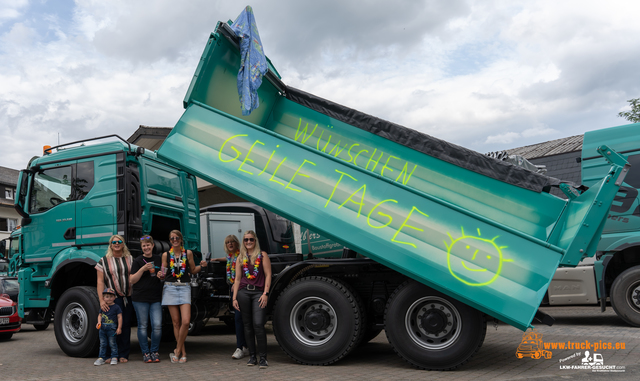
(254, 319)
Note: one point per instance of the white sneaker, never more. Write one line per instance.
(99, 362)
(238, 354)
(114, 361)
(245, 350)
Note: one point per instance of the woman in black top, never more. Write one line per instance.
(177, 290)
(147, 298)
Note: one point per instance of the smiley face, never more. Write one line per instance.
(474, 260)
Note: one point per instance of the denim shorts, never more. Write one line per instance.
(176, 294)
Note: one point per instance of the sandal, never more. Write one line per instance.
(182, 360)
(123, 360)
(174, 358)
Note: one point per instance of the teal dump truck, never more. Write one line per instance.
(451, 237)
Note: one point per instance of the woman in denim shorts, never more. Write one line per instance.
(176, 294)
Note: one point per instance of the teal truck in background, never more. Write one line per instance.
(614, 273)
(451, 237)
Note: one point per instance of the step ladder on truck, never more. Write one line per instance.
(452, 237)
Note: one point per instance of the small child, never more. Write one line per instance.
(108, 328)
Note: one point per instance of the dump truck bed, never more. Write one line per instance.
(482, 231)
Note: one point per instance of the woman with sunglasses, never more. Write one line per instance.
(251, 294)
(113, 272)
(177, 290)
(147, 298)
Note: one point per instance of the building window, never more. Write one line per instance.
(8, 224)
(9, 193)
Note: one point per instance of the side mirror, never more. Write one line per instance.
(3, 248)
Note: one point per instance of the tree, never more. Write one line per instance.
(632, 116)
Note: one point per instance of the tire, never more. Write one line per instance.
(455, 332)
(625, 296)
(5, 336)
(195, 327)
(318, 320)
(41, 327)
(75, 322)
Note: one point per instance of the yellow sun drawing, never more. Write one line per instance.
(474, 260)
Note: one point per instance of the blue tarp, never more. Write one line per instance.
(254, 64)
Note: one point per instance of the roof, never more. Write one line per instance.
(149, 137)
(8, 176)
(550, 148)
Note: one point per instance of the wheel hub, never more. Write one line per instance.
(313, 321)
(635, 295)
(433, 323)
(317, 320)
(75, 323)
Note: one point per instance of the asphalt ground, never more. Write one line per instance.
(34, 355)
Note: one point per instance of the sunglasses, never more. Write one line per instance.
(143, 238)
(174, 239)
(118, 242)
(249, 239)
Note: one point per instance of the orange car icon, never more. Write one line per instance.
(531, 346)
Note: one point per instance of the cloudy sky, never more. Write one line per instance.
(487, 75)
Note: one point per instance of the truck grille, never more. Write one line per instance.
(7, 311)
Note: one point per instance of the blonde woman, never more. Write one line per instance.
(251, 294)
(176, 294)
(113, 272)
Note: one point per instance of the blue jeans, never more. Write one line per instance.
(144, 311)
(108, 337)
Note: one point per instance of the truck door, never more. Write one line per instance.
(52, 212)
(95, 211)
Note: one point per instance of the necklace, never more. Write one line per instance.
(178, 262)
(245, 265)
(231, 267)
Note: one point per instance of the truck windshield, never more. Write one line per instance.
(280, 227)
(50, 188)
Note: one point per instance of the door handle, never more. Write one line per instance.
(70, 233)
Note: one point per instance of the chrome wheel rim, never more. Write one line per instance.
(313, 321)
(433, 323)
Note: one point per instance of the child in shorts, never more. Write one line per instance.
(109, 328)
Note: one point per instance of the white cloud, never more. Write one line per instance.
(11, 9)
(506, 138)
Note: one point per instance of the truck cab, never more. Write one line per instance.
(72, 200)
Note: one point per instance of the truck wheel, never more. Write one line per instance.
(625, 296)
(318, 321)
(430, 330)
(75, 322)
(195, 327)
